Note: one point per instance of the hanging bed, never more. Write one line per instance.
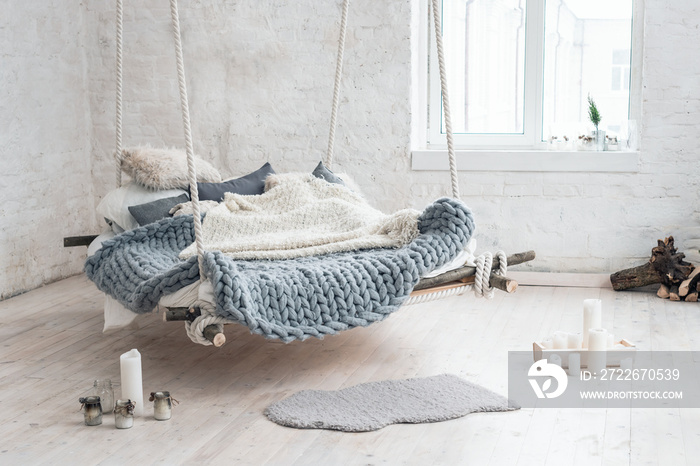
(303, 256)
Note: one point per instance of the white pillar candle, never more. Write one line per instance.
(560, 340)
(575, 364)
(626, 363)
(611, 340)
(548, 343)
(592, 317)
(132, 382)
(597, 345)
(574, 340)
(555, 359)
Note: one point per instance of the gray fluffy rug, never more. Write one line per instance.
(371, 406)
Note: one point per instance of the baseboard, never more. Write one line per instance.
(581, 280)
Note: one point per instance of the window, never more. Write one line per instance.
(620, 70)
(520, 71)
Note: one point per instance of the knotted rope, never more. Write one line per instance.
(424, 298)
(195, 329)
(445, 100)
(118, 151)
(191, 170)
(336, 86)
(483, 273)
(481, 284)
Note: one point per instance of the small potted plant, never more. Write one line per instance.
(594, 116)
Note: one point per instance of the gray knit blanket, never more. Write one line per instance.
(286, 299)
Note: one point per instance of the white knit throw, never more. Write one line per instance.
(300, 215)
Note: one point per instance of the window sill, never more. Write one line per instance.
(527, 161)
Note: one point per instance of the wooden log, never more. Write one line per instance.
(173, 314)
(669, 263)
(503, 283)
(468, 271)
(635, 277)
(666, 266)
(673, 294)
(690, 283)
(663, 292)
(215, 334)
(497, 281)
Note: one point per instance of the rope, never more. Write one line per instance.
(118, 152)
(445, 100)
(336, 86)
(195, 329)
(483, 273)
(191, 170)
(436, 295)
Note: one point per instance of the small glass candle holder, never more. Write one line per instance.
(103, 389)
(162, 405)
(91, 410)
(124, 414)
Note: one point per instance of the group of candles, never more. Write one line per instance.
(132, 392)
(594, 339)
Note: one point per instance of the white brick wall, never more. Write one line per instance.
(260, 80)
(45, 179)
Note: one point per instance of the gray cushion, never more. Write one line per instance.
(253, 183)
(153, 211)
(321, 171)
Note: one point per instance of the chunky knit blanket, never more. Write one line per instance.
(286, 299)
(300, 215)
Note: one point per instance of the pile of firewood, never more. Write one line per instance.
(680, 280)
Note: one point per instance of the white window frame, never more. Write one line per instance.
(532, 112)
(508, 152)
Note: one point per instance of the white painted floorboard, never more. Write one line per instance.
(52, 349)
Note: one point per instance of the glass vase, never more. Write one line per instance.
(103, 389)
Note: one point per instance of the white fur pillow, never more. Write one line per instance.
(164, 168)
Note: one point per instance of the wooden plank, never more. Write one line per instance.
(72, 241)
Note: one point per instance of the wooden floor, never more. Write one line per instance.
(52, 349)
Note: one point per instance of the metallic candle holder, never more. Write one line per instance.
(124, 414)
(92, 410)
(162, 405)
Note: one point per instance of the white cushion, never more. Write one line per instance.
(115, 205)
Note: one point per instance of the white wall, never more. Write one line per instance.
(260, 79)
(604, 222)
(45, 179)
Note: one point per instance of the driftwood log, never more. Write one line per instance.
(496, 281)
(679, 279)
